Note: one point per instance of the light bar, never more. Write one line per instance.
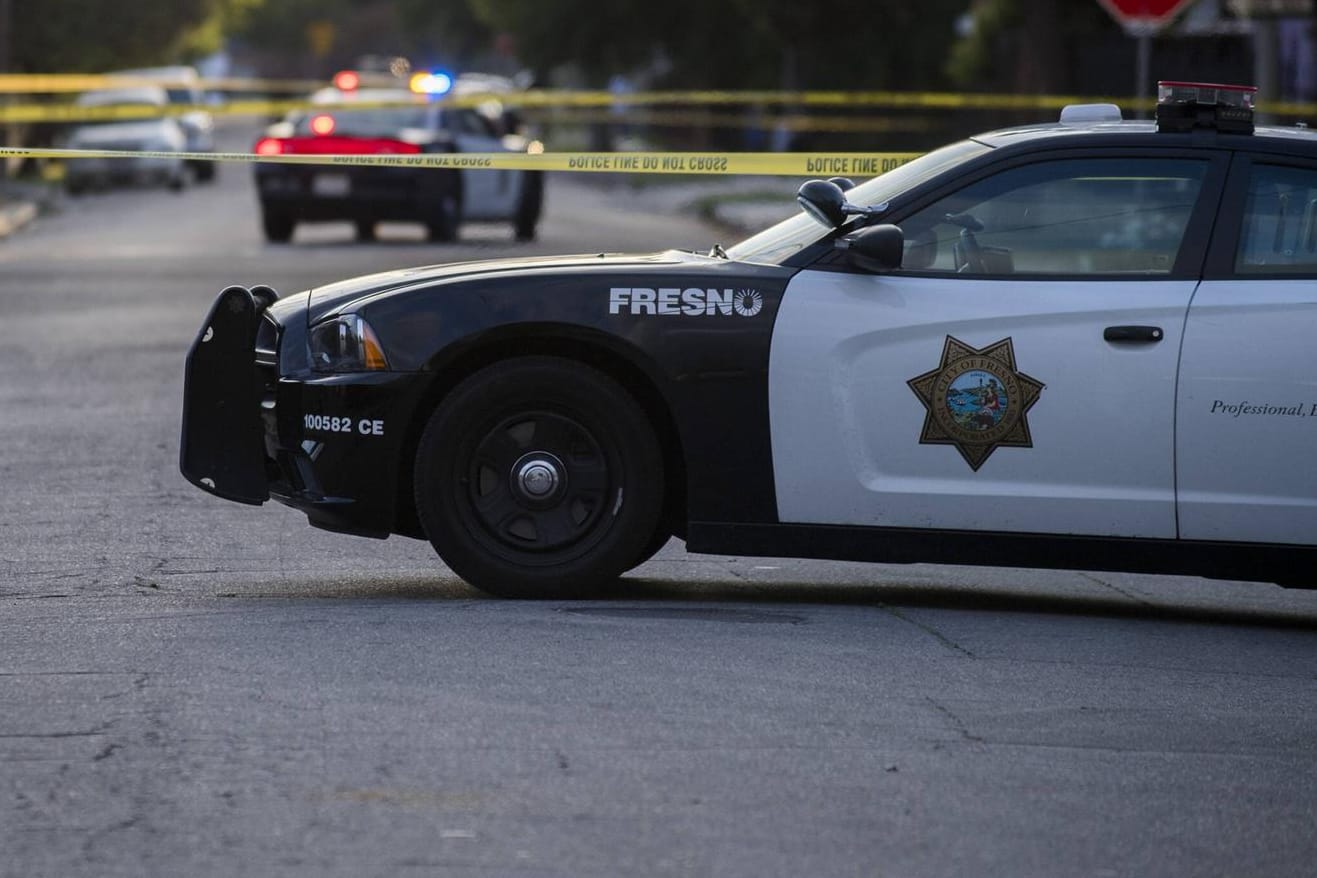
(434, 82)
(1184, 106)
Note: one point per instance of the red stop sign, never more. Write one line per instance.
(1144, 15)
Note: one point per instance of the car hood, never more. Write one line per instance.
(349, 295)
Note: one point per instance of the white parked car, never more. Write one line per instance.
(156, 136)
(182, 85)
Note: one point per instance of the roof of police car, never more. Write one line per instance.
(1135, 132)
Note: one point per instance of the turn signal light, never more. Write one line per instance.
(269, 146)
(371, 351)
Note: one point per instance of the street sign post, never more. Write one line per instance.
(1141, 20)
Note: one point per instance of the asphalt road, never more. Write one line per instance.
(192, 687)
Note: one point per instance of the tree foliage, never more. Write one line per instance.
(1020, 46)
(735, 43)
(95, 35)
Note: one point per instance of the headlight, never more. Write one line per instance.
(346, 344)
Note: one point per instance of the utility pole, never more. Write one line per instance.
(1266, 37)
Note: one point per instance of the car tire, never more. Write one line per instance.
(278, 225)
(539, 477)
(445, 217)
(529, 206)
(365, 230)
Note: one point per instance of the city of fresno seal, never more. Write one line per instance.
(976, 400)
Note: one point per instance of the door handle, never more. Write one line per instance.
(1133, 333)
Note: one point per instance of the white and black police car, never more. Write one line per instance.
(1084, 345)
(383, 119)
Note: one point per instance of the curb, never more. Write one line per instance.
(16, 215)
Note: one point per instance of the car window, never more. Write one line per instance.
(1279, 233)
(780, 242)
(365, 123)
(1067, 217)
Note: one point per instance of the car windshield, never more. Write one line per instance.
(777, 243)
(366, 123)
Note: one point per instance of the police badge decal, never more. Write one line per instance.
(976, 400)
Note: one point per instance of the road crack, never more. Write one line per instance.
(930, 631)
(956, 722)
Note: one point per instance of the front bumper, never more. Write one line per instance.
(330, 445)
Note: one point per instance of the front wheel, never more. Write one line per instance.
(539, 477)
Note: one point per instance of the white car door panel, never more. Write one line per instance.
(847, 427)
(487, 194)
(1247, 406)
(1247, 413)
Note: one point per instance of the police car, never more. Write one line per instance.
(359, 115)
(1082, 345)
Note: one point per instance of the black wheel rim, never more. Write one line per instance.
(538, 482)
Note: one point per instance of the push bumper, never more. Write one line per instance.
(328, 445)
(221, 449)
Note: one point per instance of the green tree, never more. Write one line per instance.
(424, 31)
(1022, 47)
(737, 43)
(94, 35)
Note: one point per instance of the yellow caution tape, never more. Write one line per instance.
(53, 83)
(31, 113)
(536, 98)
(709, 119)
(747, 163)
(119, 113)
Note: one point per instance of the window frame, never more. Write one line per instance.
(1229, 232)
(1189, 262)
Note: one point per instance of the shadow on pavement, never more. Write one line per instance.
(648, 591)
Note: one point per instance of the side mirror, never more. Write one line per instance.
(824, 201)
(877, 249)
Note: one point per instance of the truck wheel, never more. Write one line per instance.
(539, 477)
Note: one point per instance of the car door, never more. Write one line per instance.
(1018, 373)
(1247, 406)
(487, 194)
